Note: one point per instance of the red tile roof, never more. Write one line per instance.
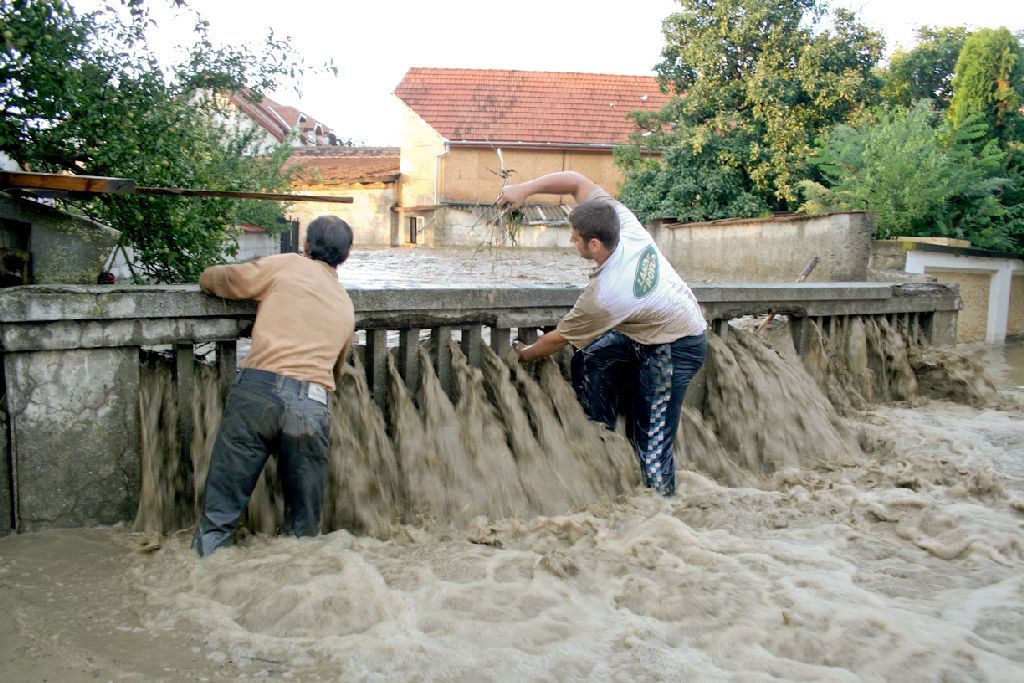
(483, 105)
(262, 115)
(343, 165)
(279, 120)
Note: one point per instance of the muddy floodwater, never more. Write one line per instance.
(467, 267)
(821, 532)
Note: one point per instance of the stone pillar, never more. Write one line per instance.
(408, 358)
(501, 340)
(800, 329)
(185, 382)
(697, 392)
(999, 304)
(528, 335)
(75, 435)
(227, 365)
(940, 328)
(471, 341)
(442, 356)
(376, 365)
(6, 478)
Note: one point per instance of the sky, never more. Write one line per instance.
(374, 42)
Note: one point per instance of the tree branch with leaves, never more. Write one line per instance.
(83, 94)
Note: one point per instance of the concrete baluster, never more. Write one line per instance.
(800, 328)
(501, 340)
(184, 358)
(408, 358)
(227, 364)
(471, 340)
(376, 365)
(441, 355)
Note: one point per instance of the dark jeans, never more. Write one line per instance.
(647, 383)
(266, 413)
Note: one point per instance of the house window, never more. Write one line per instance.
(413, 223)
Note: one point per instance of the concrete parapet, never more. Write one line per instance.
(72, 355)
(74, 425)
(185, 311)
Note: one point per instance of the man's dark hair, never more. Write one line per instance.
(596, 218)
(330, 240)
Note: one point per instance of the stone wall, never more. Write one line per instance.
(472, 173)
(771, 249)
(253, 245)
(474, 226)
(79, 395)
(422, 149)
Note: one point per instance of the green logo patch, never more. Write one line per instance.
(646, 278)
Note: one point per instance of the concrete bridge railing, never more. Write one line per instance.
(72, 353)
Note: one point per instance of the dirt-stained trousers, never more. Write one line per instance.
(267, 413)
(647, 382)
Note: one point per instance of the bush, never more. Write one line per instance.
(921, 176)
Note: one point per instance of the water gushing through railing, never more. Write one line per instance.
(506, 440)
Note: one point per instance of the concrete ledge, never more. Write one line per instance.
(93, 334)
(42, 303)
(80, 316)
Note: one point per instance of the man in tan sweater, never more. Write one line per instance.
(279, 400)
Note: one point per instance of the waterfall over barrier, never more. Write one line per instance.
(511, 441)
(76, 357)
(482, 531)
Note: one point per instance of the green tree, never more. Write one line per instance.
(989, 86)
(757, 81)
(82, 94)
(926, 71)
(921, 177)
(989, 82)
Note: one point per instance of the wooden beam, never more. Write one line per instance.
(276, 196)
(66, 183)
(57, 182)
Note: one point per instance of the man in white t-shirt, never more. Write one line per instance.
(638, 330)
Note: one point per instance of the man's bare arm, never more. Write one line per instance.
(562, 182)
(549, 343)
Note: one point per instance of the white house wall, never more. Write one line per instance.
(997, 273)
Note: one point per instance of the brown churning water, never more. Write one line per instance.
(832, 522)
(513, 442)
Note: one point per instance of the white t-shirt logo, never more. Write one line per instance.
(646, 277)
